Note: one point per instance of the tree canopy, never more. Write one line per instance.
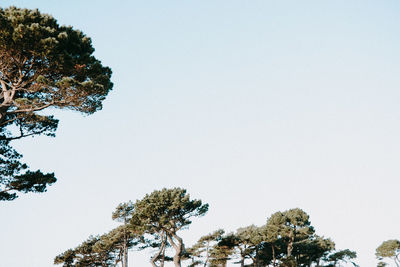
(389, 249)
(42, 65)
(163, 213)
(152, 222)
(104, 250)
(286, 240)
(123, 213)
(108, 249)
(203, 248)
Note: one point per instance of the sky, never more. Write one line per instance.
(252, 106)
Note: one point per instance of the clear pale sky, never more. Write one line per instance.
(253, 106)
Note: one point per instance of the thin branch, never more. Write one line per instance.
(32, 109)
(19, 137)
(8, 121)
(22, 135)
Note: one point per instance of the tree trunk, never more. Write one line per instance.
(8, 98)
(273, 256)
(157, 255)
(396, 260)
(153, 260)
(207, 256)
(125, 246)
(256, 264)
(290, 244)
(242, 262)
(125, 257)
(163, 258)
(318, 260)
(178, 246)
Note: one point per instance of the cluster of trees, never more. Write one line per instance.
(389, 249)
(287, 239)
(42, 65)
(45, 65)
(151, 222)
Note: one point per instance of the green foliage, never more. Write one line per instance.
(247, 241)
(345, 255)
(52, 63)
(288, 229)
(166, 209)
(313, 249)
(221, 253)
(152, 222)
(95, 251)
(389, 249)
(287, 239)
(203, 248)
(123, 212)
(42, 65)
(108, 249)
(162, 214)
(15, 176)
(104, 250)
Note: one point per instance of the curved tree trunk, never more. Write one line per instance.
(396, 260)
(178, 246)
(159, 252)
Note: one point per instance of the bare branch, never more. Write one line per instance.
(3, 86)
